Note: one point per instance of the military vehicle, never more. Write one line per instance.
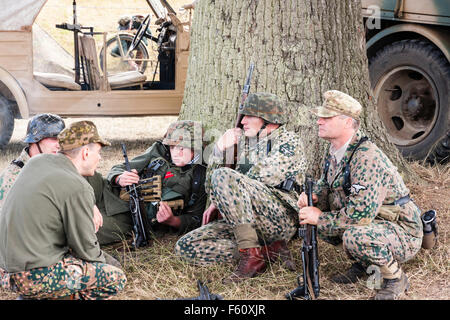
(408, 46)
(85, 89)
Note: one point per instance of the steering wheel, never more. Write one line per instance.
(140, 34)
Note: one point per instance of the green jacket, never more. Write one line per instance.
(176, 179)
(48, 211)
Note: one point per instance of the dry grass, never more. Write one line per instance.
(156, 272)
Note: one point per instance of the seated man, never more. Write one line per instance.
(177, 160)
(362, 200)
(48, 246)
(41, 136)
(258, 209)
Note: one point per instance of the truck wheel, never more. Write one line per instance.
(411, 81)
(6, 122)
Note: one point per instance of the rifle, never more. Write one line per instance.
(141, 225)
(204, 293)
(245, 92)
(310, 287)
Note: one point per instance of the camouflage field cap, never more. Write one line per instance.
(266, 106)
(184, 133)
(43, 125)
(79, 134)
(338, 103)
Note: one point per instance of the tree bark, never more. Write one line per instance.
(301, 48)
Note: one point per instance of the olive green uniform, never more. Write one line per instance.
(177, 183)
(48, 246)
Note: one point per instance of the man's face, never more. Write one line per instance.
(92, 159)
(331, 128)
(49, 145)
(251, 125)
(181, 156)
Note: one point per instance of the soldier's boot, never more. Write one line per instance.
(251, 259)
(251, 263)
(279, 250)
(395, 282)
(356, 272)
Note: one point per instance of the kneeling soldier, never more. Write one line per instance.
(362, 201)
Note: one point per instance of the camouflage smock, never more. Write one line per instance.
(9, 175)
(375, 182)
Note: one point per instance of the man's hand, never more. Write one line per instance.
(309, 215)
(229, 138)
(210, 214)
(303, 200)
(98, 218)
(127, 178)
(165, 216)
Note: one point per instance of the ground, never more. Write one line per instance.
(155, 272)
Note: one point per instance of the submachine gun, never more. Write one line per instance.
(310, 287)
(141, 225)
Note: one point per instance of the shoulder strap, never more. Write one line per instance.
(199, 173)
(347, 183)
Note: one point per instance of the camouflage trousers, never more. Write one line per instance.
(240, 200)
(71, 276)
(379, 243)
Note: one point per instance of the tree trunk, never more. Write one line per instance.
(301, 48)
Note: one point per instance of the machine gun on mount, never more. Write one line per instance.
(310, 287)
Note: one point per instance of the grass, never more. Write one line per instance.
(155, 272)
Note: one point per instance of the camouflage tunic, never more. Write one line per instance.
(372, 230)
(9, 175)
(249, 195)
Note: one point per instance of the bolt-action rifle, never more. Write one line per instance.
(231, 163)
(141, 225)
(310, 287)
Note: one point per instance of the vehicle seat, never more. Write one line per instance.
(88, 54)
(56, 80)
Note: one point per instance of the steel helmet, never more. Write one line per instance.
(266, 106)
(44, 125)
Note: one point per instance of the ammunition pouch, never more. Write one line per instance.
(150, 190)
(288, 185)
(391, 211)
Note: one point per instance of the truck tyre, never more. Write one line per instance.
(441, 153)
(6, 122)
(411, 81)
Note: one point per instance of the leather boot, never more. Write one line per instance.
(279, 250)
(352, 275)
(391, 289)
(251, 263)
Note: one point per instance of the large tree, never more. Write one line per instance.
(301, 48)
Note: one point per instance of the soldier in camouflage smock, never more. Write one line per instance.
(258, 217)
(366, 206)
(48, 246)
(41, 137)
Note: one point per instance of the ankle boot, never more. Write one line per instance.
(251, 263)
(279, 250)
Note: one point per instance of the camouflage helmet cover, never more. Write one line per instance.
(184, 133)
(44, 125)
(266, 106)
(79, 134)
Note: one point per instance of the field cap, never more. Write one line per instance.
(338, 103)
(79, 134)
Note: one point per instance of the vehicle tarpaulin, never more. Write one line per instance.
(18, 15)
